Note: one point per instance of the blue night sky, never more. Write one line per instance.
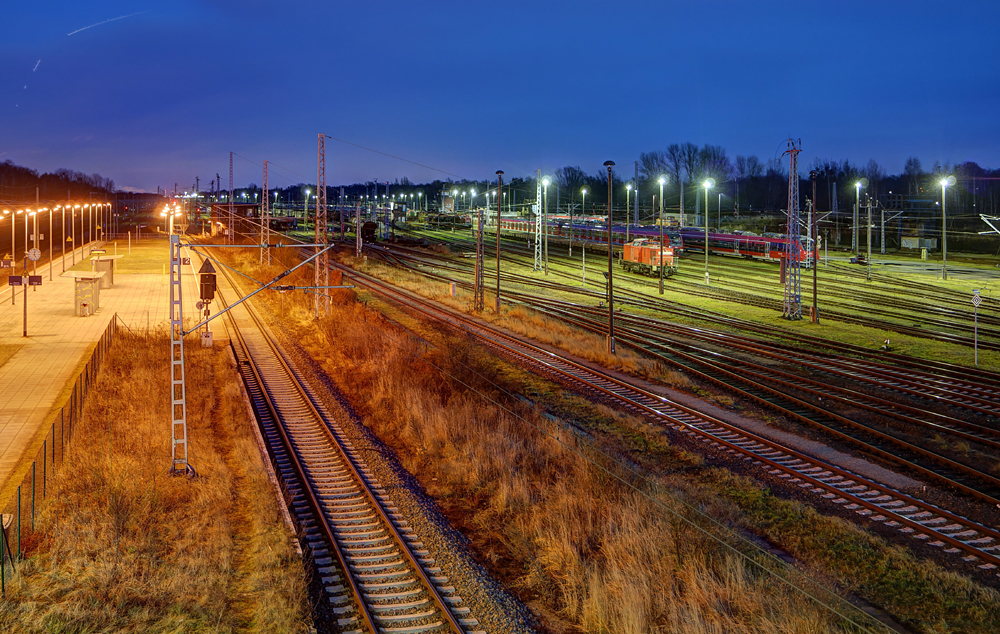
(164, 95)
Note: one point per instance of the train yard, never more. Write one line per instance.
(905, 448)
(935, 421)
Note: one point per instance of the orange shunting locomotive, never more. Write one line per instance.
(645, 256)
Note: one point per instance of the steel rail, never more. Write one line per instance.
(309, 488)
(889, 501)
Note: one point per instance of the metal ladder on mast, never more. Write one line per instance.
(178, 393)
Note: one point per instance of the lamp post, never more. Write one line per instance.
(62, 231)
(583, 212)
(72, 233)
(857, 203)
(708, 184)
(662, 181)
(13, 244)
(34, 238)
(720, 211)
(611, 271)
(945, 183)
(628, 191)
(499, 188)
(545, 224)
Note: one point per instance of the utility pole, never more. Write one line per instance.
(265, 222)
(636, 194)
(684, 222)
(611, 265)
(479, 291)
(662, 182)
(499, 198)
(538, 218)
(813, 213)
(869, 205)
(545, 221)
(232, 223)
(321, 269)
(881, 239)
(793, 273)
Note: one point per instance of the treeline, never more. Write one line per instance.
(18, 184)
(748, 184)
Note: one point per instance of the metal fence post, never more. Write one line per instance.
(33, 496)
(45, 464)
(19, 521)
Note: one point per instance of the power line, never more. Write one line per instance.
(398, 158)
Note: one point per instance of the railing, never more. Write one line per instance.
(18, 523)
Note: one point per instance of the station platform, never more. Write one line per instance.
(37, 371)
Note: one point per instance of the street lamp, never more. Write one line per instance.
(628, 190)
(454, 200)
(720, 212)
(305, 209)
(583, 212)
(945, 183)
(708, 184)
(34, 238)
(662, 181)
(545, 223)
(857, 204)
(611, 270)
(72, 232)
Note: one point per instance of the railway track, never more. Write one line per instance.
(977, 544)
(376, 573)
(812, 403)
(937, 328)
(957, 386)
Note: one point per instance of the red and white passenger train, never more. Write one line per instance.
(592, 230)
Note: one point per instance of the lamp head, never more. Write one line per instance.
(584, 191)
(663, 180)
(546, 181)
(628, 187)
(709, 183)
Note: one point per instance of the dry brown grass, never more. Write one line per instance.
(539, 327)
(599, 557)
(586, 552)
(123, 547)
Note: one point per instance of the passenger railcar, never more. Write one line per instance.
(591, 229)
(767, 247)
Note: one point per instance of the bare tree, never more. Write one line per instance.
(690, 160)
(715, 163)
(913, 172)
(675, 161)
(652, 165)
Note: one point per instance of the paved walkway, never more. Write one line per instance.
(58, 343)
